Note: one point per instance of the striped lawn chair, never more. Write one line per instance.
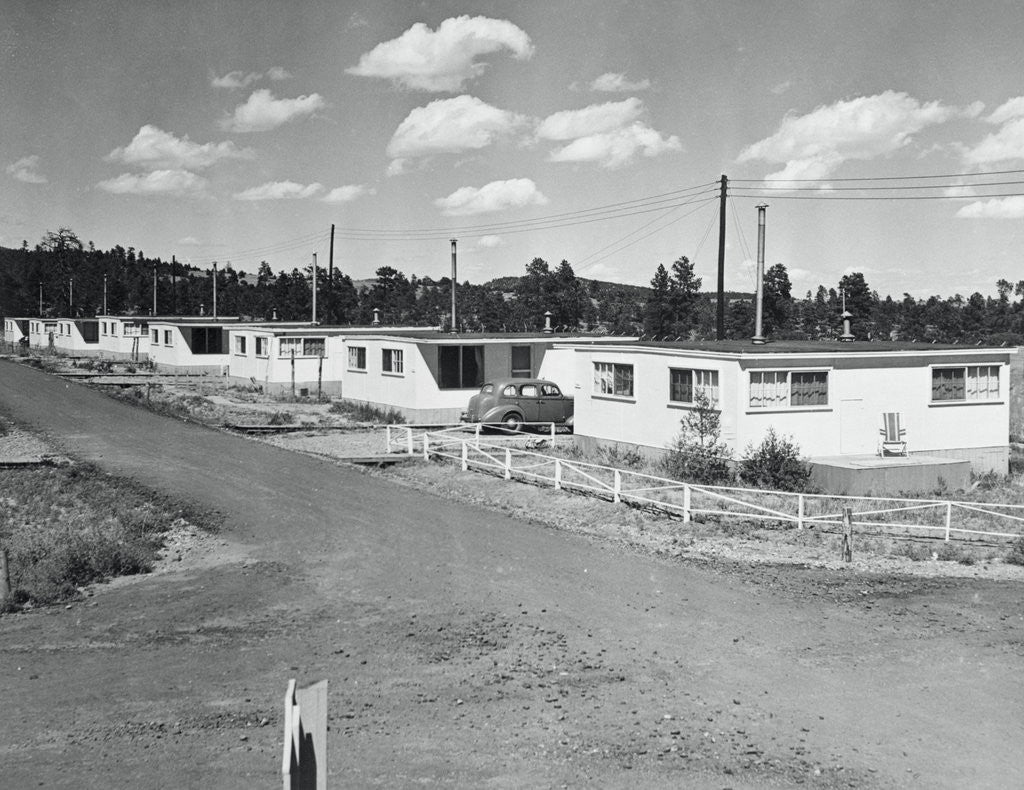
(892, 433)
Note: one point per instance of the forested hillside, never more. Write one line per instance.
(65, 277)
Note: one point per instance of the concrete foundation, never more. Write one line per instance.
(863, 475)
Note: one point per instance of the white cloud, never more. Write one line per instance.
(239, 79)
(346, 193)
(462, 123)
(262, 112)
(616, 148)
(816, 144)
(1011, 108)
(781, 87)
(495, 196)
(159, 182)
(442, 60)
(490, 242)
(996, 208)
(156, 149)
(1003, 146)
(189, 241)
(279, 190)
(235, 79)
(617, 83)
(595, 119)
(25, 170)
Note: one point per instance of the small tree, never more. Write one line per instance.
(697, 454)
(775, 463)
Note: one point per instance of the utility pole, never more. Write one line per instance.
(104, 294)
(71, 297)
(454, 327)
(330, 260)
(215, 290)
(40, 298)
(314, 289)
(758, 337)
(720, 322)
(154, 289)
(174, 286)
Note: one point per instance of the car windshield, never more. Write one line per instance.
(487, 389)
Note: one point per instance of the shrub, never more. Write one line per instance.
(366, 412)
(696, 454)
(1016, 555)
(281, 418)
(619, 458)
(775, 464)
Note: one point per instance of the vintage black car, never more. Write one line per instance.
(513, 403)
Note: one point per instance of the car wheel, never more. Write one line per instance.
(512, 422)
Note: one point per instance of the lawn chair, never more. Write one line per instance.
(892, 433)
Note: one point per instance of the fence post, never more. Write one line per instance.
(465, 456)
(799, 511)
(410, 446)
(617, 487)
(686, 503)
(847, 535)
(476, 431)
(5, 578)
(558, 474)
(387, 438)
(552, 434)
(426, 446)
(508, 464)
(949, 518)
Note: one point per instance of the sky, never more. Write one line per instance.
(239, 131)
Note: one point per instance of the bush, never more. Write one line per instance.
(696, 454)
(1016, 555)
(281, 418)
(775, 464)
(366, 412)
(619, 458)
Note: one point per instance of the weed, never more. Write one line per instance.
(359, 411)
(1016, 555)
(281, 418)
(620, 458)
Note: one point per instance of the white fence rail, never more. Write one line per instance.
(941, 518)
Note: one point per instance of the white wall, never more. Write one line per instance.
(861, 388)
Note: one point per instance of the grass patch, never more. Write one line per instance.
(365, 412)
(67, 527)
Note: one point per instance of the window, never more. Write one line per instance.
(357, 357)
(290, 347)
(613, 379)
(684, 385)
(155, 338)
(104, 325)
(113, 329)
(970, 383)
(550, 391)
(521, 363)
(261, 346)
(510, 391)
(460, 367)
(167, 337)
(240, 344)
(529, 390)
(780, 389)
(314, 347)
(392, 360)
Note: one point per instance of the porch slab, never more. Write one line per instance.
(863, 475)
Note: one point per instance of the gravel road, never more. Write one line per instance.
(465, 648)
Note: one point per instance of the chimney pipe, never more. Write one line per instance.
(547, 323)
(758, 337)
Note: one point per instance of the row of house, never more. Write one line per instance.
(828, 396)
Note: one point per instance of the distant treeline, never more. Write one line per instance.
(68, 276)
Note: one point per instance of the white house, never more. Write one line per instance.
(15, 329)
(190, 345)
(124, 337)
(429, 376)
(77, 336)
(827, 396)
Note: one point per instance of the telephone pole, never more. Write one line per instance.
(174, 286)
(454, 327)
(720, 322)
(314, 288)
(330, 260)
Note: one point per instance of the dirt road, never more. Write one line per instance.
(464, 648)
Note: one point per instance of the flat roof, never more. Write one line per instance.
(810, 346)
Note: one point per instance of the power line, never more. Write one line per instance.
(826, 196)
(887, 188)
(876, 178)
